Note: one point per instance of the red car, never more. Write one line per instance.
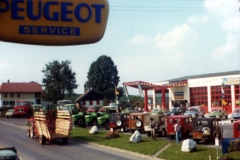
(186, 123)
(23, 108)
(236, 129)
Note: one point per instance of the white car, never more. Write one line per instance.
(195, 111)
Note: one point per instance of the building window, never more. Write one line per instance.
(12, 103)
(217, 97)
(5, 103)
(90, 102)
(98, 102)
(198, 96)
(5, 95)
(18, 94)
(237, 95)
(83, 102)
(11, 94)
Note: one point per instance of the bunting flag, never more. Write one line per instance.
(224, 102)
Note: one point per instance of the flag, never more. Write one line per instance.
(223, 93)
(224, 102)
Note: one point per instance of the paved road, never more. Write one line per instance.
(14, 134)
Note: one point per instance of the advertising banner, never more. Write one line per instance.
(230, 145)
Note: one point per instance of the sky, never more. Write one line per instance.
(149, 41)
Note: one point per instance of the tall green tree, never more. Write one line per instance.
(103, 76)
(59, 80)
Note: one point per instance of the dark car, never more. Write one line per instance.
(9, 153)
(119, 121)
(206, 129)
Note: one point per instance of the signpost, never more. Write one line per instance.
(53, 22)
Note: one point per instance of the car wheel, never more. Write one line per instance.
(226, 116)
(42, 139)
(149, 134)
(164, 132)
(125, 128)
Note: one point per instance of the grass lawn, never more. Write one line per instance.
(202, 153)
(147, 146)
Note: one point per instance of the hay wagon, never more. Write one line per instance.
(47, 126)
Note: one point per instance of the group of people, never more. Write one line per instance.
(177, 129)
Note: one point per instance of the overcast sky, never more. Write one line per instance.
(150, 41)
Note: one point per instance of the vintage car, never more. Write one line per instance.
(236, 129)
(195, 111)
(23, 108)
(206, 129)
(119, 121)
(160, 127)
(186, 122)
(136, 121)
(235, 115)
(217, 112)
(9, 153)
(176, 111)
(10, 113)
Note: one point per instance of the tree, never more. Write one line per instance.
(102, 76)
(59, 80)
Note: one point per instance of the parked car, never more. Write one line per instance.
(186, 122)
(236, 129)
(160, 127)
(195, 111)
(9, 153)
(206, 129)
(217, 112)
(23, 108)
(119, 121)
(235, 115)
(176, 111)
(136, 121)
(10, 113)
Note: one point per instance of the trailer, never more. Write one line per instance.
(49, 126)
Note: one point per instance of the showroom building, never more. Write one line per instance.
(208, 90)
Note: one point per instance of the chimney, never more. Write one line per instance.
(8, 81)
(85, 88)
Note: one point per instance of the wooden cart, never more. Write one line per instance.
(48, 127)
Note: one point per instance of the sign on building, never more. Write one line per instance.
(179, 95)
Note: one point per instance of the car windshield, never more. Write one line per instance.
(236, 110)
(192, 109)
(22, 103)
(216, 110)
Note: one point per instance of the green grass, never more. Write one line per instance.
(147, 146)
(201, 153)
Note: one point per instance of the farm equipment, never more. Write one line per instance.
(50, 125)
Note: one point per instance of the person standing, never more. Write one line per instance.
(152, 126)
(177, 129)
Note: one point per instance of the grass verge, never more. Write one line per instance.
(147, 146)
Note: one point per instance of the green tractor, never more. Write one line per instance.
(103, 119)
(78, 118)
(92, 115)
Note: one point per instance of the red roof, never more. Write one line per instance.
(20, 87)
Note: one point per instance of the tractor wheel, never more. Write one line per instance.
(32, 132)
(107, 126)
(42, 139)
(83, 124)
(80, 122)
